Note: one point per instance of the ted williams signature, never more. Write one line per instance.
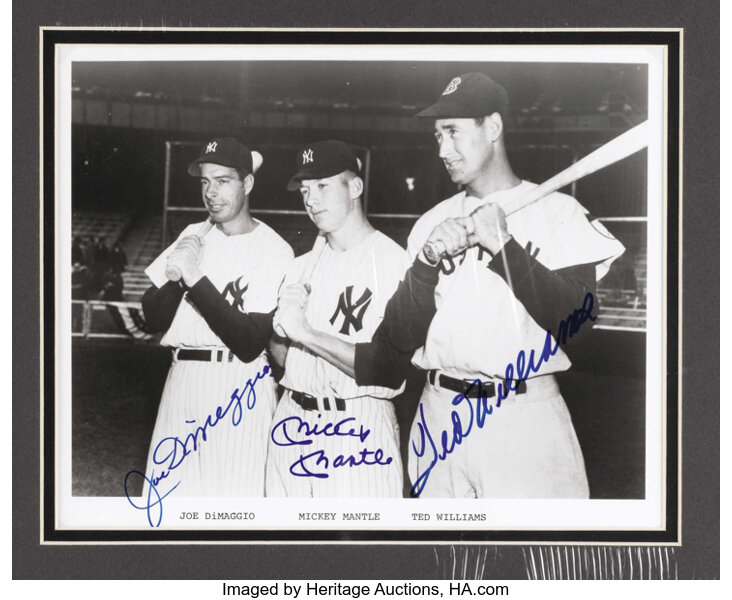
(448, 439)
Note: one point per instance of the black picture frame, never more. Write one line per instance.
(415, 558)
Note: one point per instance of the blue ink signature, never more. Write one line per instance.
(514, 374)
(300, 426)
(287, 432)
(152, 503)
(365, 457)
(176, 450)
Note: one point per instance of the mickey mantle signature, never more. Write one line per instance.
(294, 431)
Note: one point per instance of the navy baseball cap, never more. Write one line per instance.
(469, 95)
(320, 160)
(227, 151)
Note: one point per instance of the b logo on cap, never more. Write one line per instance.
(211, 147)
(307, 156)
(452, 86)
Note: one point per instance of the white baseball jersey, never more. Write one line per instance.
(479, 326)
(527, 446)
(247, 270)
(349, 294)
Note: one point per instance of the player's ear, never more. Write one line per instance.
(248, 183)
(355, 185)
(493, 125)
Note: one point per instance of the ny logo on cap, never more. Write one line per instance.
(211, 147)
(307, 156)
(452, 86)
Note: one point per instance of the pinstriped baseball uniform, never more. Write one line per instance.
(349, 292)
(229, 459)
(527, 447)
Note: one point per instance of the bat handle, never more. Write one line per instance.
(275, 323)
(172, 272)
(433, 251)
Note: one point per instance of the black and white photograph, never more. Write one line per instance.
(363, 291)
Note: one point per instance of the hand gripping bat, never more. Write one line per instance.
(307, 274)
(172, 272)
(616, 149)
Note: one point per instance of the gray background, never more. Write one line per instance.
(699, 555)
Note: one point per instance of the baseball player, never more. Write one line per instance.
(504, 283)
(211, 432)
(331, 436)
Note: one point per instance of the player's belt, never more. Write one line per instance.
(468, 388)
(308, 402)
(216, 355)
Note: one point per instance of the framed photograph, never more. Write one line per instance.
(586, 129)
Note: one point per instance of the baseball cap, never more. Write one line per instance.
(323, 159)
(469, 95)
(226, 151)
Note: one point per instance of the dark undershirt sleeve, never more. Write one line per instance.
(550, 297)
(245, 334)
(159, 305)
(385, 360)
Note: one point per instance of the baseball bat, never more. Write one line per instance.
(307, 274)
(172, 272)
(616, 149)
(318, 247)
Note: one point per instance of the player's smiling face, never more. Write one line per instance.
(328, 202)
(465, 148)
(224, 193)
